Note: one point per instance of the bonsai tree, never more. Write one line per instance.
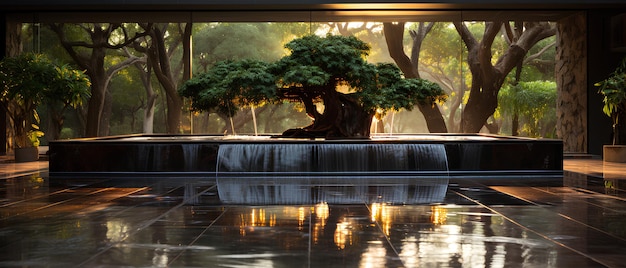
(329, 75)
(613, 89)
(27, 81)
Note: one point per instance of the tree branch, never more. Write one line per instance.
(466, 35)
(538, 54)
(418, 38)
(394, 36)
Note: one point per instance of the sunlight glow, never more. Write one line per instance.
(343, 235)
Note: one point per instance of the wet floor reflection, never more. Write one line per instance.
(334, 190)
(170, 223)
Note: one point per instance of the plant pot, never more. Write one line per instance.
(614, 153)
(28, 154)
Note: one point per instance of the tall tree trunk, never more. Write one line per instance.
(13, 48)
(394, 35)
(13, 39)
(160, 59)
(55, 122)
(150, 105)
(515, 119)
(96, 104)
(487, 78)
(105, 119)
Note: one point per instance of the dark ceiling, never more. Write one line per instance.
(296, 10)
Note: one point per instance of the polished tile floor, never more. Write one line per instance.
(575, 221)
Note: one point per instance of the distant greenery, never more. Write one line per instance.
(28, 80)
(330, 71)
(442, 60)
(534, 103)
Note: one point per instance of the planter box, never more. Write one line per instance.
(28, 154)
(614, 153)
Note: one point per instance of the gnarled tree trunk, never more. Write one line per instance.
(394, 35)
(343, 117)
(487, 78)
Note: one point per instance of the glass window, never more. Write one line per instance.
(135, 88)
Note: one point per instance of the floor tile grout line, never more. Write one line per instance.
(73, 213)
(605, 195)
(141, 189)
(138, 229)
(48, 194)
(198, 236)
(380, 229)
(586, 192)
(35, 197)
(579, 222)
(26, 172)
(533, 230)
(561, 214)
(566, 216)
(58, 203)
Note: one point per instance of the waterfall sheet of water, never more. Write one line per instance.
(332, 173)
(330, 158)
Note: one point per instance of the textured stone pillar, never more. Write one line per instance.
(571, 80)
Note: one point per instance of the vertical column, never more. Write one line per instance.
(571, 79)
(3, 52)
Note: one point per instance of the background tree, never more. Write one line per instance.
(165, 40)
(531, 105)
(394, 35)
(148, 104)
(128, 99)
(487, 77)
(331, 72)
(89, 54)
(441, 61)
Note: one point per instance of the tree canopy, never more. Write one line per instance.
(329, 75)
(29, 80)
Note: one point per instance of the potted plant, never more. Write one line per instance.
(25, 82)
(613, 89)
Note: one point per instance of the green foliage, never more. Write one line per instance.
(23, 77)
(315, 67)
(71, 87)
(33, 135)
(613, 89)
(31, 79)
(229, 85)
(396, 93)
(217, 42)
(533, 101)
(341, 58)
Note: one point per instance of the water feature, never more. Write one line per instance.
(325, 158)
(310, 173)
(405, 169)
(473, 156)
